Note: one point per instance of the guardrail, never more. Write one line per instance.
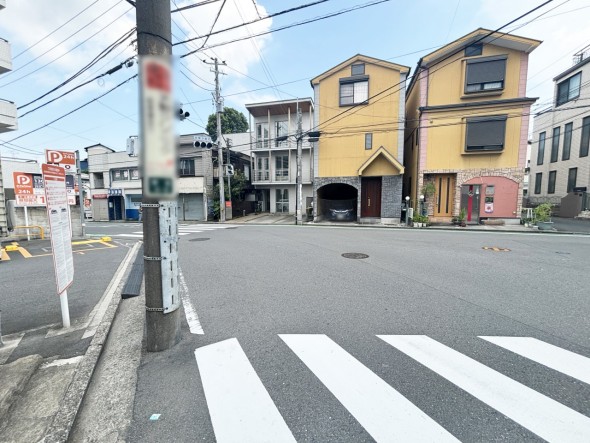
(41, 231)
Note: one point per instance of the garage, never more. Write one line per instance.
(190, 207)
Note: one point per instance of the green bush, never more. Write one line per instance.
(543, 212)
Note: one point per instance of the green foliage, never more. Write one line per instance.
(232, 122)
(462, 215)
(543, 212)
(238, 186)
(428, 189)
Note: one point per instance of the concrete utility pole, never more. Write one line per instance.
(219, 111)
(299, 138)
(154, 39)
(81, 194)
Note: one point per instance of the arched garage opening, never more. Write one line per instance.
(337, 202)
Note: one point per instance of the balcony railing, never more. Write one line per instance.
(261, 176)
(5, 57)
(262, 143)
(282, 175)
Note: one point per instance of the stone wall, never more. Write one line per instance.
(391, 197)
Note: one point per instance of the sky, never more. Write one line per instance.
(51, 41)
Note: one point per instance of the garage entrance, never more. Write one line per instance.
(337, 202)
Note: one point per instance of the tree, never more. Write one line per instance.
(238, 186)
(232, 122)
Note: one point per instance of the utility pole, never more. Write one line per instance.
(158, 160)
(81, 194)
(219, 111)
(299, 138)
(228, 173)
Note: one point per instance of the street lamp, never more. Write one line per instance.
(421, 204)
(407, 210)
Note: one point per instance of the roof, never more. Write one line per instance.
(363, 58)
(480, 35)
(98, 145)
(572, 69)
(382, 152)
(280, 107)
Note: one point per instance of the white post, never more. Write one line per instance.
(27, 223)
(65, 310)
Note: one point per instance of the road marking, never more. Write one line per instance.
(381, 410)
(62, 362)
(3, 255)
(241, 409)
(495, 249)
(129, 235)
(561, 360)
(190, 312)
(542, 415)
(10, 343)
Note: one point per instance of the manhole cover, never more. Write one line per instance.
(563, 253)
(199, 239)
(233, 227)
(495, 249)
(355, 255)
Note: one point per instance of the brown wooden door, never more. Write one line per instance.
(445, 195)
(371, 197)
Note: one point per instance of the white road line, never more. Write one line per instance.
(240, 408)
(128, 235)
(386, 414)
(566, 362)
(62, 362)
(190, 312)
(540, 414)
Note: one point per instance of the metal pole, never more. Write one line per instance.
(219, 110)
(229, 178)
(65, 310)
(81, 193)
(298, 220)
(162, 330)
(27, 223)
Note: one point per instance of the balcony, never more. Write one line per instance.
(8, 121)
(282, 175)
(262, 175)
(5, 57)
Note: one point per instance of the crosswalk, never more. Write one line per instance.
(241, 408)
(183, 229)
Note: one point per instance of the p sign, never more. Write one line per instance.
(23, 183)
(65, 159)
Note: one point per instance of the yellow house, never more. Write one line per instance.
(467, 117)
(358, 164)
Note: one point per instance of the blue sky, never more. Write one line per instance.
(281, 62)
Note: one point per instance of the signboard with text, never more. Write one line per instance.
(65, 159)
(54, 180)
(28, 189)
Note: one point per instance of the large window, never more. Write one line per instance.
(555, 144)
(187, 167)
(541, 151)
(551, 183)
(262, 135)
(567, 141)
(354, 92)
(485, 74)
(282, 204)
(281, 129)
(538, 181)
(585, 140)
(569, 89)
(485, 134)
(572, 176)
(124, 174)
(282, 168)
(262, 170)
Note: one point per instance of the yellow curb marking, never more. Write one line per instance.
(495, 249)
(4, 256)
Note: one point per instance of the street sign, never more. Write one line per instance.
(158, 154)
(54, 179)
(28, 189)
(65, 159)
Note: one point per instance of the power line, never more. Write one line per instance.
(196, 5)
(214, 23)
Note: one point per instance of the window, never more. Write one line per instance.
(569, 89)
(187, 167)
(98, 180)
(571, 179)
(473, 50)
(282, 203)
(485, 74)
(485, 134)
(541, 151)
(262, 172)
(585, 140)
(538, 180)
(555, 144)
(282, 168)
(551, 184)
(567, 141)
(352, 93)
(262, 135)
(368, 140)
(358, 69)
(281, 129)
(124, 174)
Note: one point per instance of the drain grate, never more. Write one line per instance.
(354, 255)
(199, 239)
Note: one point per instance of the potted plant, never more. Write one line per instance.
(455, 221)
(462, 217)
(543, 217)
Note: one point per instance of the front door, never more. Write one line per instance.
(445, 194)
(371, 197)
(470, 196)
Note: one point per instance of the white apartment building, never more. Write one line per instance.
(560, 161)
(274, 162)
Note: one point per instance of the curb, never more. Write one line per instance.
(64, 419)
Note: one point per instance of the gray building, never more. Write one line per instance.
(560, 161)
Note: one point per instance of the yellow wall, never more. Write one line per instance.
(446, 83)
(410, 148)
(342, 144)
(380, 166)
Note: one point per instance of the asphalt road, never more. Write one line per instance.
(284, 313)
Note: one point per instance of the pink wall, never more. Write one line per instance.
(505, 197)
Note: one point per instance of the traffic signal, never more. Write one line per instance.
(202, 141)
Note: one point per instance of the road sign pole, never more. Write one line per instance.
(65, 310)
(27, 223)
(154, 39)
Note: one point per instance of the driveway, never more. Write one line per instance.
(571, 225)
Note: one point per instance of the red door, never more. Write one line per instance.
(371, 197)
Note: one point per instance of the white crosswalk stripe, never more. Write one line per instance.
(183, 229)
(242, 410)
